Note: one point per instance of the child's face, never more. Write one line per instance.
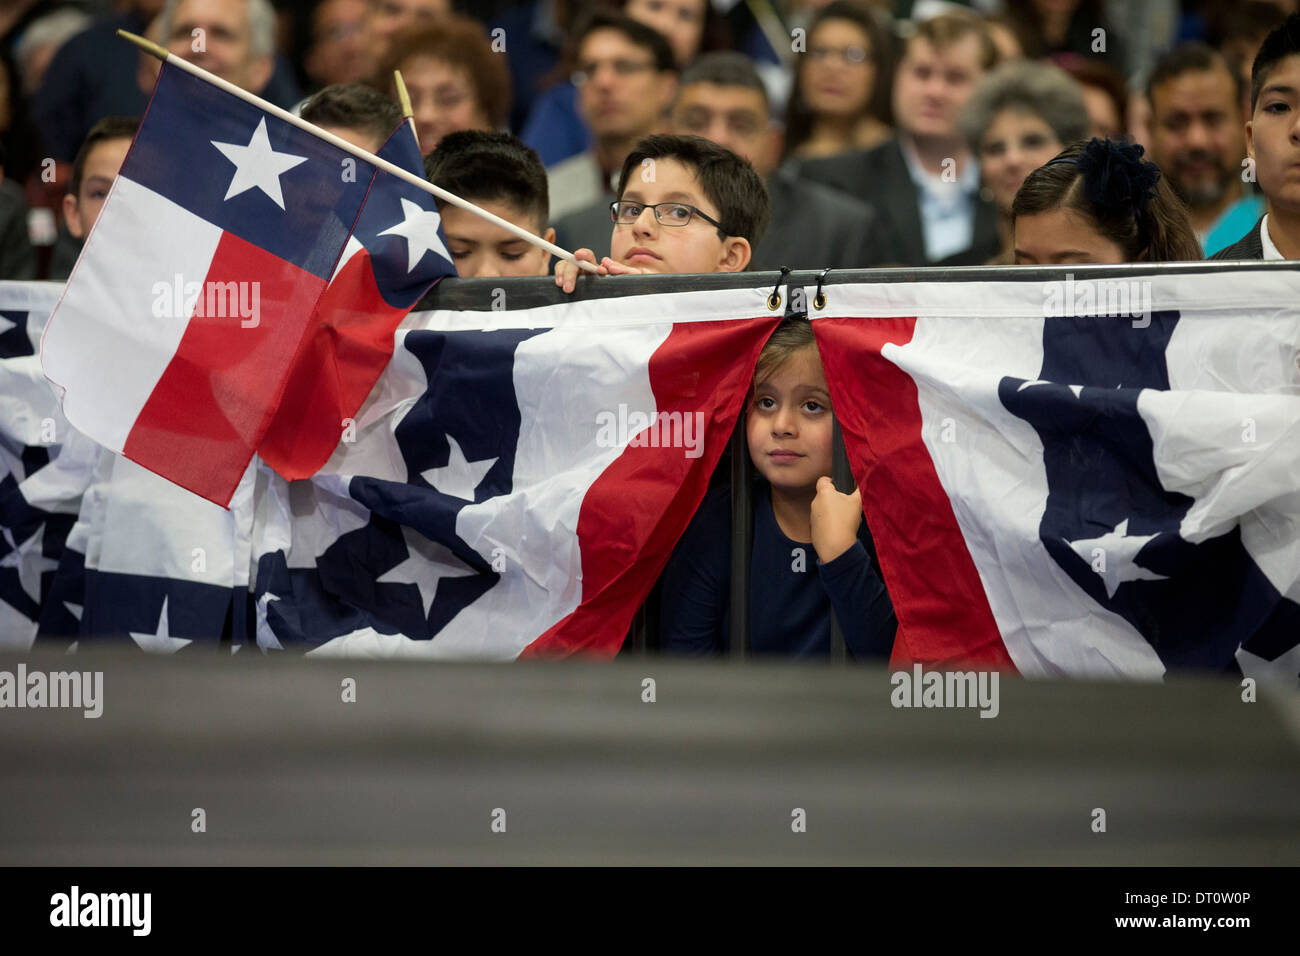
(97, 176)
(480, 249)
(1273, 135)
(790, 424)
(1060, 237)
(695, 247)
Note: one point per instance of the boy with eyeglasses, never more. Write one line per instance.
(685, 205)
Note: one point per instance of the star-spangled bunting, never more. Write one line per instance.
(458, 478)
(1116, 550)
(161, 640)
(28, 560)
(426, 564)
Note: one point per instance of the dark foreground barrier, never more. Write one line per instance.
(638, 761)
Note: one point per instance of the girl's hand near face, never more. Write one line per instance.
(835, 520)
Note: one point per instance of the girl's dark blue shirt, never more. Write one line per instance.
(791, 593)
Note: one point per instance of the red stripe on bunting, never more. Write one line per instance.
(636, 510)
(943, 612)
(204, 418)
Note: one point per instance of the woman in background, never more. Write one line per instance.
(455, 79)
(840, 100)
(1020, 116)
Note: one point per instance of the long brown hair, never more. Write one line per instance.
(799, 118)
(1122, 196)
(793, 335)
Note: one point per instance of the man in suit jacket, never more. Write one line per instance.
(1273, 142)
(925, 181)
(722, 98)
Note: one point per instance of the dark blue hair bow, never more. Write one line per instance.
(1115, 176)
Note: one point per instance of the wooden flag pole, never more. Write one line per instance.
(404, 100)
(153, 49)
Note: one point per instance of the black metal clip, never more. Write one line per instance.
(774, 300)
(819, 297)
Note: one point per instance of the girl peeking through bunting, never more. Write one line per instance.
(811, 548)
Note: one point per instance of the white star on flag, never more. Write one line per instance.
(1118, 548)
(458, 478)
(6, 325)
(28, 560)
(257, 165)
(419, 227)
(161, 641)
(427, 563)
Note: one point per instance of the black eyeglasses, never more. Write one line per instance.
(625, 213)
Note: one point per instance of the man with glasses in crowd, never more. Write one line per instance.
(626, 77)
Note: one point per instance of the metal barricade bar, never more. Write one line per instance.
(742, 542)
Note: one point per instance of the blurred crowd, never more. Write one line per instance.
(887, 133)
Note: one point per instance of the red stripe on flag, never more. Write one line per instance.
(205, 416)
(636, 510)
(347, 348)
(943, 612)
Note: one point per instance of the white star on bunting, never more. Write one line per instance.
(12, 464)
(419, 227)
(28, 560)
(1077, 389)
(458, 478)
(1119, 548)
(257, 165)
(161, 641)
(427, 563)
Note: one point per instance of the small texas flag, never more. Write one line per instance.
(202, 302)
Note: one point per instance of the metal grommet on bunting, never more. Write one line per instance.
(774, 300)
(819, 297)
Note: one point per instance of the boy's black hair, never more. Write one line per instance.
(354, 106)
(636, 32)
(723, 68)
(486, 166)
(110, 127)
(1193, 57)
(728, 180)
(1283, 42)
